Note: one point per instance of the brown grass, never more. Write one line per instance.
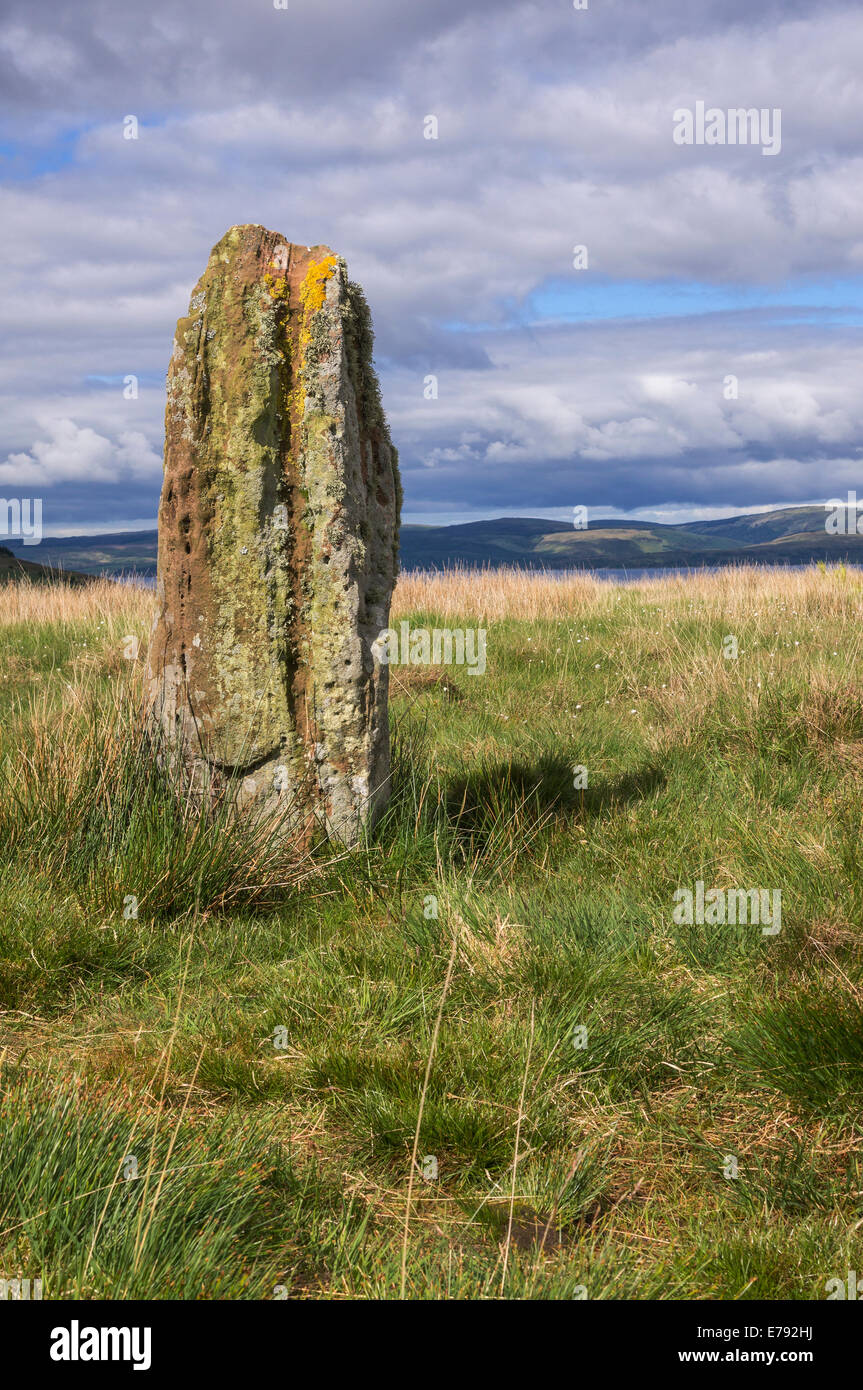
(104, 601)
(516, 593)
(489, 594)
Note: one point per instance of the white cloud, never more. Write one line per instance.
(80, 455)
(555, 129)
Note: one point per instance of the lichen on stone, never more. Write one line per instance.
(278, 532)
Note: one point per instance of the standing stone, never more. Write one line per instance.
(278, 540)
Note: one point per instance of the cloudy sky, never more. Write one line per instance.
(606, 385)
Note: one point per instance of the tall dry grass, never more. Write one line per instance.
(511, 592)
(103, 601)
(489, 594)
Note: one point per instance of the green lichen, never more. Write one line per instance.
(260, 379)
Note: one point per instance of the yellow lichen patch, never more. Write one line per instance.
(314, 287)
(277, 285)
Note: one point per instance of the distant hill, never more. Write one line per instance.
(789, 535)
(113, 553)
(553, 545)
(762, 527)
(13, 568)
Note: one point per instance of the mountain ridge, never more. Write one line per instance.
(790, 535)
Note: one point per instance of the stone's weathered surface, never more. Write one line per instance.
(278, 538)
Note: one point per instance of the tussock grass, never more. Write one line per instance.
(94, 801)
(495, 981)
(74, 1197)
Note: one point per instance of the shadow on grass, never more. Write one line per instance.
(507, 802)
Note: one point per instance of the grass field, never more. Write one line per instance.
(221, 1097)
